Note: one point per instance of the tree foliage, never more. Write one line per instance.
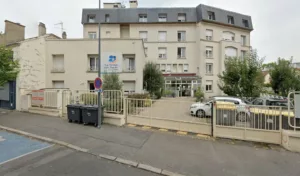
(284, 78)
(9, 68)
(112, 82)
(199, 94)
(242, 77)
(153, 78)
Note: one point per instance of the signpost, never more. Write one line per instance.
(98, 83)
(99, 69)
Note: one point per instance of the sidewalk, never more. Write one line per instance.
(182, 154)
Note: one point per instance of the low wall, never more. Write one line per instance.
(193, 127)
(114, 119)
(291, 140)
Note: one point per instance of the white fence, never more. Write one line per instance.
(45, 98)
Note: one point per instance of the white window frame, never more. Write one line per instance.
(230, 19)
(209, 37)
(162, 17)
(181, 17)
(209, 86)
(107, 18)
(182, 51)
(182, 37)
(163, 68)
(209, 68)
(92, 35)
(209, 50)
(228, 33)
(93, 68)
(108, 34)
(211, 15)
(185, 68)
(233, 48)
(131, 64)
(141, 33)
(92, 18)
(58, 81)
(160, 34)
(162, 55)
(143, 18)
(243, 40)
(61, 67)
(168, 68)
(243, 54)
(246, 23)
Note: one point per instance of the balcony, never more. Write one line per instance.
(92, 70)
(57, 70)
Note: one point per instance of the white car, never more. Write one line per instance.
(203, 110)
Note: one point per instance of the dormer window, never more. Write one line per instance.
(91, 18)
(230, 19)
(211, 15)
(245, 23)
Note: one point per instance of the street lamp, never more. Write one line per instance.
(99, 69)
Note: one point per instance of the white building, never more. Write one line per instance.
(188, 44)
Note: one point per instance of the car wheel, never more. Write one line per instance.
(200, 114)
(242, 117)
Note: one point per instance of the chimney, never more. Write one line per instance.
(42, 29)
(64, 35)
(133, 4)
(14, 32)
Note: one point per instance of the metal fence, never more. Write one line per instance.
(44, 98)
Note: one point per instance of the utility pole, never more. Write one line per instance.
(99, 68)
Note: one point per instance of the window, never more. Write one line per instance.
(181, 52)
(232, 101)
(186, 68)
(231, 52)
(229, 36)
(108, 34)
(162, 36)
(208, 86)
(230, 19)
(129, 87)
(168, 70)
(162, 53)
(245, 23)
(91, 85)
(209, 68)
(146, 52)
(129, 64)
(163, 68)
(243, 40)
(211, 15)
(144, 35)
(162, 17)
(180, 68)
(174, 69)
(58, 84)
(107, 18)
(58, 63)
(209, 52)
(243, 54)
(209, 34)
(181, 35)
(143, 18)
(181, 17)
(116, 6)
(92, 35)
(91, 18)
(93, 63)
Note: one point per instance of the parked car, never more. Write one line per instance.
(203, 110)
(271, 102)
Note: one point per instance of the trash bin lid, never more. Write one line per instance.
(74, 105)
(89, 107)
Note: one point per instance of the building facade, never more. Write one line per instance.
(189, 45)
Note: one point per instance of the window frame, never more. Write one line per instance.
(107, 18)
(89, 18)
(162, 15)
(211, 15)
(95, 62)
(230, 19)
(165, 32)
(181, 56)
(143, 18)
(245, 23)
(207, 36)
(145, 32)
(207, 86)
(181, 15)
(183, 39)
(206, 68)
(187, 69)
(243, 40)
(160, 56)
(92, 33)
(209, 52)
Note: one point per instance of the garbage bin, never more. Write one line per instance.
(90, 115)
(265, 119)
(74, 113)
(226, 112)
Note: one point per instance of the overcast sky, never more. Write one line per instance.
(276, 22)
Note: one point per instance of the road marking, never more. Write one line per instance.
(164, 130)
(131, 125)
(182, 132)
(25, 155)
(146, 127)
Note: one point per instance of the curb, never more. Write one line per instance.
(83, 150)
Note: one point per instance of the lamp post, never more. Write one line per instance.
(99, 69)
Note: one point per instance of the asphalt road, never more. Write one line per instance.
(58, 161)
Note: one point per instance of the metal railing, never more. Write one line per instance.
(51, 98)
(293, 114)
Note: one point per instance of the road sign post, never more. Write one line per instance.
(98, 87)
(99, 69)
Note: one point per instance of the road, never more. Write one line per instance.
(56, 160)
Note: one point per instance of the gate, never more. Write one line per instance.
(167, 113)
(8, 93)
(251, 123)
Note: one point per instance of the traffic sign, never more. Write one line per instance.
(98, 83)
(99, 90)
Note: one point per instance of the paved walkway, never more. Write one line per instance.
(182, 154)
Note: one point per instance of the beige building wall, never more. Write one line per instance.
(114, 30)
(75, 53)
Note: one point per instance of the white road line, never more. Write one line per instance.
(25, 154)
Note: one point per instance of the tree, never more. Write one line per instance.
(199, 94)
(9, 68)
(112, 82)
(284, 77)
(242, 77)
(153, 78)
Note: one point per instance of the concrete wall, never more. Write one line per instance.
(31, 55)
(76, 53)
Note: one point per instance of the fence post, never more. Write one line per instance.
(125, 109)
(280, 123)
(214, 119)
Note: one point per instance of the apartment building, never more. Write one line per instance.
(189, 45)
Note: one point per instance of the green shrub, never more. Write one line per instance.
(199, 94)
(167, 93)
(139, 96)
(158, 94)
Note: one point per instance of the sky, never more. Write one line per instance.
(276, 22)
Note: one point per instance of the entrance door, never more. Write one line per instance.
(12, 94)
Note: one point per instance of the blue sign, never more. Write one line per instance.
(112, 59)
(98, 83)
(99, 90)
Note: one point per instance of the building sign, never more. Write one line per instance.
(111, 62)
(37, 98)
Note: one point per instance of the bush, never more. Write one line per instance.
(139, 96)
(167, 93)
(158, 94)
(199, 94)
